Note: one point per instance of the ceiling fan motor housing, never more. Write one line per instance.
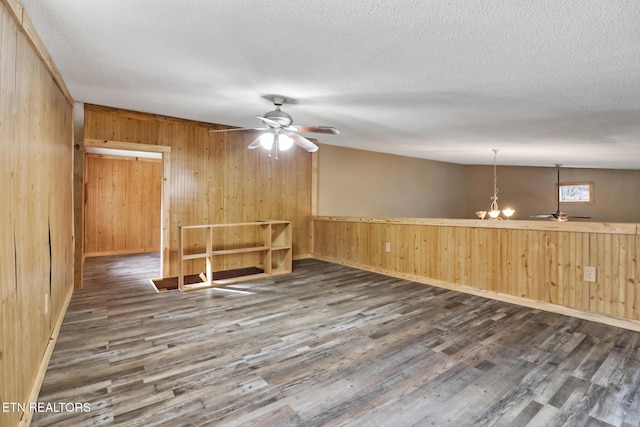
(279, 116)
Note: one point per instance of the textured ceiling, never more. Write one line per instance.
(550, 81)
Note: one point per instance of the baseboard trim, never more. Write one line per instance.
(526, 302)
(121, 252)
(44, 363)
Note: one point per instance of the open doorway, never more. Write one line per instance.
(131, 162)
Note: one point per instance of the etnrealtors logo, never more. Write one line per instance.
(55, 407)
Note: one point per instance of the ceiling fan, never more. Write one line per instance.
(558, 215)
(279, 133)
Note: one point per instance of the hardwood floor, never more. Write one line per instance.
(328, 345)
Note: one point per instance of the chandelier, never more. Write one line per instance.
(494, 211)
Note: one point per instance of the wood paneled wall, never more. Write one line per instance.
(214, 177)
(36, 235)
(122, 204)
(528, 260)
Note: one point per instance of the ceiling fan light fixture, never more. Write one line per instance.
(279, 134)
(285, 142)
(266, 140)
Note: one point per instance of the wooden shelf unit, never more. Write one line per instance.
(272, 247)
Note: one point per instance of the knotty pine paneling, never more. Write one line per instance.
(214, 177)
(11, 387)
(122, 204)
(36, 236)
(513, 259)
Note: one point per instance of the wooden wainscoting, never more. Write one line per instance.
(531, 263)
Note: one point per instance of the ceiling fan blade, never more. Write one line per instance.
(235, 129)
(255, 143)
(303, 142)
(267, 121)
(578, 217)
(557, 215)
(319, 129)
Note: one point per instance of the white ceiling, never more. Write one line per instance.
(548, 81)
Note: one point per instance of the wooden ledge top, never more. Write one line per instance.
(572, 226)
(237, 224)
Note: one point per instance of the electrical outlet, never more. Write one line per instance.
(387, 247)
(590, 274)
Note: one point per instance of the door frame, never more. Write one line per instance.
(165, 214)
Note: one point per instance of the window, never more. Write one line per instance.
(576, 192)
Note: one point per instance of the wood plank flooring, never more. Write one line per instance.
(328, 346)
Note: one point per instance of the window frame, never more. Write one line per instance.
(588, 184)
